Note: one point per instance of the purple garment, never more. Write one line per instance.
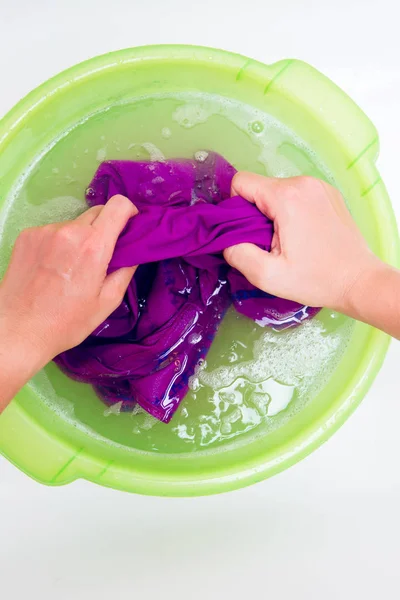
(149, 347)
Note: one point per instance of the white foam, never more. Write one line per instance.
(183, 433)
(292, 358)
(114, 409)
(201, 156)
(101, 154)
(44, 389)
(280, 395)
(188, 115)
(195, 338)
(137, 410)
(155, 153)
(166, 133)
(194, 383)
(149, 423)
(226, 427)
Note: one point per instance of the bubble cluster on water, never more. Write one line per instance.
(293, 357)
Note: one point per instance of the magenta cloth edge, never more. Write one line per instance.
(147, 350)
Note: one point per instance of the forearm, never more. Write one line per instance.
(20, 359)
(375, 298)
(10, 384)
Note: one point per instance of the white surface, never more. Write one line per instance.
(329, 527)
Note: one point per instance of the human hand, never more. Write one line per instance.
(56, 290)
(318, 254)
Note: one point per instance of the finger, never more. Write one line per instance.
(251, 261)
(89, 216)
(113, 218)
(115, 286)
(257, 189)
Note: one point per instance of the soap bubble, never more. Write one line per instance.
(257, 127)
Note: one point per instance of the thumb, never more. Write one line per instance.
(251, 261)
(114, 288)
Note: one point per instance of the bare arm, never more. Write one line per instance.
(56, 290)
(318, 256)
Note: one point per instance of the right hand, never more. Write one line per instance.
(318, 254)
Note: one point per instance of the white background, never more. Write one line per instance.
(329, 527)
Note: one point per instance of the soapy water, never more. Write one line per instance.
(254, 379)
(285, 370)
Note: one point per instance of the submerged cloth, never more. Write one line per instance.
(147, 350)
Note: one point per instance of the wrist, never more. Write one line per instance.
(368, 284)
(22, 353)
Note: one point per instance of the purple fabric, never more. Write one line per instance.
(148, 348)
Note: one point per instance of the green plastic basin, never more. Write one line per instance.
(175, 100)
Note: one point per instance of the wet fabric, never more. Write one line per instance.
(147, 350)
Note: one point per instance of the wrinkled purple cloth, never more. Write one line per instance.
(147, 350)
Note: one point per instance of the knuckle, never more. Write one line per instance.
(67, 234)
(308, 184)
(95, 210)
(94, 246)
(46, 231)
(24, 235)
(298, 190)
(306, 180)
